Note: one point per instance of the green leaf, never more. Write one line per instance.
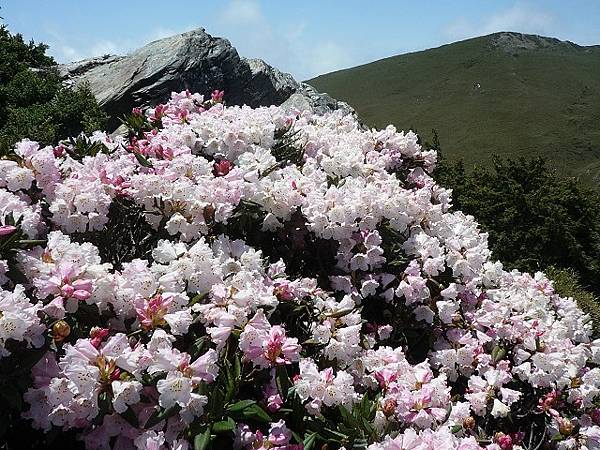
(360, 444)
(224, 426)
(197, 346)
(143, 160)
(237, 368)
(216, 401)
(348, 418)
(202, 441)
(197, 298)
(230, 383)
(248, 410)
(131, 418)
(256, 413)
(283, 381)
(310, 440)
(239, 406)
(498, 353)
(161, 414)
(335, 435)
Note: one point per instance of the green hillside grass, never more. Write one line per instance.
(507, 94)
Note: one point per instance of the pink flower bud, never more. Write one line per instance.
(82, 285)
(217, 96)
(115, 374)
(222, 168)
(5, 230)
(67, 290)
(58, 151)
(97, 335)
(81, 295)
(504, 441)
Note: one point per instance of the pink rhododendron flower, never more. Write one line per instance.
(233, 264)
(267, 345)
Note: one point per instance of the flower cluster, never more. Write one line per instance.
(260, 279)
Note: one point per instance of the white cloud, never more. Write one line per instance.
(161, 33)
(283, 44)
(105, 47)
(65, 51)
(327, 57)
(242, 12)
(520, 17)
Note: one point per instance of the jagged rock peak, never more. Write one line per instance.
(194, 60)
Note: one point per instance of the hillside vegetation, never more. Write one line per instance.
(507, 94)
(34, 103)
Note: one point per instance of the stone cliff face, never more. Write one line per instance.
(196, 61)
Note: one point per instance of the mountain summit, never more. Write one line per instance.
(509, 94)
(196, 61)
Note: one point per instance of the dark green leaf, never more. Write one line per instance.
(239, 406)
(310, 440)
(143, 160)
(202, 441)
(255, 412)
(161, 414)
(224, 426)
(283, 381)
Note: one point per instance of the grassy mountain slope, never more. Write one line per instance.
(507, 93)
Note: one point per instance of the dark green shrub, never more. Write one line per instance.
(566, 284)
(33, 101)
(535, 217)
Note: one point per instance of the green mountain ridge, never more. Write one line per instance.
(507, 94)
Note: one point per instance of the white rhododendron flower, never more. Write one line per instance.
(266, 279)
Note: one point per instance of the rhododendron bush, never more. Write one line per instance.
(230, 277)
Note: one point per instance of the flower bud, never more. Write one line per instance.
(469, 423)
(97, 335)
(595, 415)
(217, 96)
(504, 441)
(60, 331)
(5, 230)
(58, 151)
(565, 427)
(389, 407)
(222, 168)
(67, 290)
(209, 213)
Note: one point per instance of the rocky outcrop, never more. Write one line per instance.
(513, 42)
(196, 61)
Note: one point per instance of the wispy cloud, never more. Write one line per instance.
(284, 44)
(64, 50)
(242, 12)
(327, 57)
(520, 17)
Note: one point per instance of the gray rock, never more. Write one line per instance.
(196, 61)
(512, 42)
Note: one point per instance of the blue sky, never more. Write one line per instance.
(306, 37)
